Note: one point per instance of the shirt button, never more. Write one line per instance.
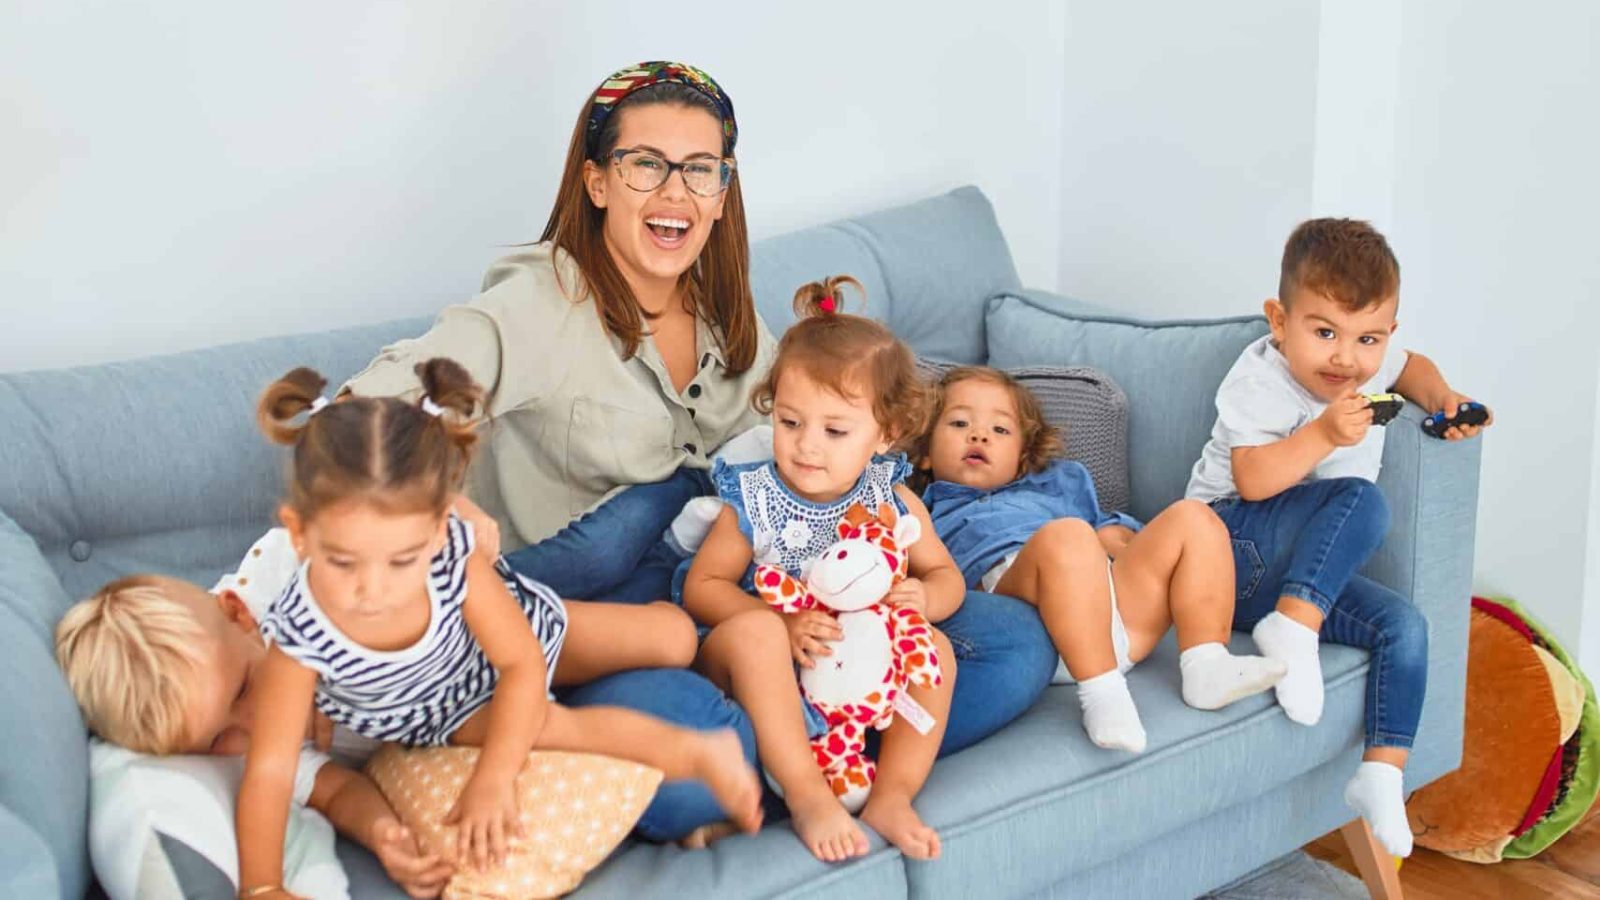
(694, 390)
(80, 550)
(691, 449)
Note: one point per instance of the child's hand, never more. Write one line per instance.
(810, 631)
(1451, 405)
(485, 530)
(486, 815)
(396, 848)
(911, 592)
(1346, 420)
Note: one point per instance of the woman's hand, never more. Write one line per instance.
(485, 530)
(810, 632)
(1114, 539)
(485, 815)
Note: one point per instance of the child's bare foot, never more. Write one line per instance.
(891, 815)
(824, 826)
(720, 763)
(706, 835)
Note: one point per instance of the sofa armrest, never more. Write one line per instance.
(26, 868)
(1432, 489)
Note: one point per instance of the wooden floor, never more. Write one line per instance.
(1569, 869)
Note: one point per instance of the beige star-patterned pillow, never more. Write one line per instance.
(575, 808)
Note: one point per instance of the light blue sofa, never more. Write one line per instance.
(155, 465)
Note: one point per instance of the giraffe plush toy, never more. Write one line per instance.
(884, 649)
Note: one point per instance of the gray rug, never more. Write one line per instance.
(1294, 877)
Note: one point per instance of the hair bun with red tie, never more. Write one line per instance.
(825, 297)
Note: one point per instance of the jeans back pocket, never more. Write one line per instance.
(1247, 571)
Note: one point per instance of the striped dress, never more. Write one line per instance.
(418, 695)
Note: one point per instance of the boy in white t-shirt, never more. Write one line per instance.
(1291, 468)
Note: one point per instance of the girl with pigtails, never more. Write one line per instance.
(403, 624)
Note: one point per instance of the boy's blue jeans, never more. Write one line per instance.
(616, 553)
(1308, 542)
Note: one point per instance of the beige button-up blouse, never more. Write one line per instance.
(570, 421)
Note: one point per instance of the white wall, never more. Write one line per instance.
(1589, 651)
(1187, 146)
(1197, 136)
(1358, 58)
(182, 174)
(1495, 193)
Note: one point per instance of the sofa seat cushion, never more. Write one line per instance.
(770, 863)
(1000, 805)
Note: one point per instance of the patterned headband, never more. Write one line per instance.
(626, 81)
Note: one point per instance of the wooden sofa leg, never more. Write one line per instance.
(1376, 866)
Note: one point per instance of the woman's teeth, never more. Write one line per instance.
(667, 226)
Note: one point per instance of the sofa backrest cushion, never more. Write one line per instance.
(1170, 371)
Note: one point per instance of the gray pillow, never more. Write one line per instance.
(1092, 413)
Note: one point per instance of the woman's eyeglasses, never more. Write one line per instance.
(644, 170)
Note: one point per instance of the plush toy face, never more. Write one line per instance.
(859, 570)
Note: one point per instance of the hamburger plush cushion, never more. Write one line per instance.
(1531, 753)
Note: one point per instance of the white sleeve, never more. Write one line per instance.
(1254, 411)
(305, 774)
(264, 572)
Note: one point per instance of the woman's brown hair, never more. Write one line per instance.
(849, 355)
(717, 285)
(398, 456)
(1041, 441)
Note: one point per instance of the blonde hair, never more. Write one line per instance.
(129, 653)
(848, 354)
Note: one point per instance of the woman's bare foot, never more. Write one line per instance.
(823, 825)
(891, 815)
(706, 835)
(720, 763)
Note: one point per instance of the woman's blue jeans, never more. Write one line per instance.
(1308, 542)
(616, 552)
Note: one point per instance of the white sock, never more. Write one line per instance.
(1295, 645)
(1377, 793)
(1213, 677)
(1109, 714)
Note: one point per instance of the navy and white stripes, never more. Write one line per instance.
(421, 694)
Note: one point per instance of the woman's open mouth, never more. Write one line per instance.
(667, 232)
